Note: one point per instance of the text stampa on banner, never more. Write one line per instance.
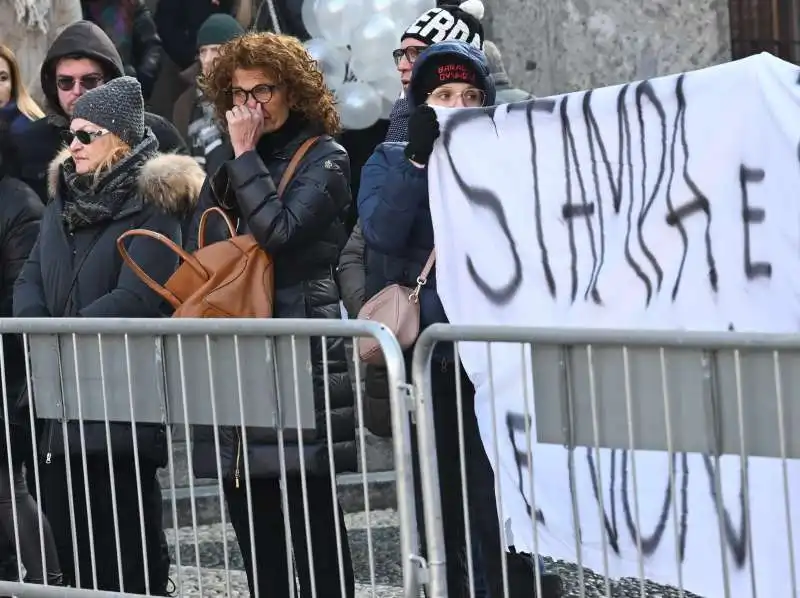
(668, 204)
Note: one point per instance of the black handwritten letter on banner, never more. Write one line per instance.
(571, 210)
(751, 216)
(484, 198)
(700, 202)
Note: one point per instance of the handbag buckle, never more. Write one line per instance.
(414, 296)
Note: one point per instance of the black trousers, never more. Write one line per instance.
(14, 489)
(55, 500)
(270, 537)
(481, 500)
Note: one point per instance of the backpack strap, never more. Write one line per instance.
(159, 289)
(295, 162)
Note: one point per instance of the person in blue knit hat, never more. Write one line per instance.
(396, 225)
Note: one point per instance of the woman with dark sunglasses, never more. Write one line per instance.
(109, 179)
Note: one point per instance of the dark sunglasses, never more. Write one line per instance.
(87, 82)
(261, 94)
(84, 137)
(411, 54)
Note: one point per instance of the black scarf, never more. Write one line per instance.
(87, 203)
(275, 143)
(398, 121)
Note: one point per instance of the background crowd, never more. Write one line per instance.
(97, 136)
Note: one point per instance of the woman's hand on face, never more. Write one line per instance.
(245, 127)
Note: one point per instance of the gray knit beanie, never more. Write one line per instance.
(116, 106)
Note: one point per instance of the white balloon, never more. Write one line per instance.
(372, 43)
(309, 15)
(336, 19)
(359, 105)
(386, 108)
(387, 7)
(407, 11)
(389, 87)
(330, 60)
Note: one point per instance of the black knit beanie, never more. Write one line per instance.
(449, 22)
(219, 28)
(116, 106)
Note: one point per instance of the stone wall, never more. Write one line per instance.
(558, 46)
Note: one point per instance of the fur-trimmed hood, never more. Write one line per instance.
(170, 181)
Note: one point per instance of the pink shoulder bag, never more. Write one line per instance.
(397, 308)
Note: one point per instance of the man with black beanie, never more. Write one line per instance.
(445, 22)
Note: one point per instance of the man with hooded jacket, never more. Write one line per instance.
(81, 58)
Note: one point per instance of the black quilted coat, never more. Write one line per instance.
(304, 233)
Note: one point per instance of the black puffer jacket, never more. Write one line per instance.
(41, 141)
(104, 287)
(20, 213)
(304, 233)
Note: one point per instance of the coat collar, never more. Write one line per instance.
(169, 181)
(283, 143)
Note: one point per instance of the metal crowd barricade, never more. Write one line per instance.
(181, 374)
(711, 394)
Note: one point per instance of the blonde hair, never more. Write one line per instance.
(25, 103)
(118, 150)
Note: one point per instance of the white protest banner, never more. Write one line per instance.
(669, 204)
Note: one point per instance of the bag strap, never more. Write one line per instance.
(284, 182)
(201, 228)
(160, 290)
(426, 270)
(422, 279)
(294, 163)
(78, 269)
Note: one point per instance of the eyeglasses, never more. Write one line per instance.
(471, 98)
(84, 137)
(261, 93)
(66, 83)
(411, 54)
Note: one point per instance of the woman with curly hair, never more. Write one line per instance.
(269, 94)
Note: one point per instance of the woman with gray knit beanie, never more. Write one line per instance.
(110, 178)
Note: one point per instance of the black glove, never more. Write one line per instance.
(423, 130)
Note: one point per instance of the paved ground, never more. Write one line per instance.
(225, 577)
(217, 572)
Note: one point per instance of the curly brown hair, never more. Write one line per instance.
(283, 58)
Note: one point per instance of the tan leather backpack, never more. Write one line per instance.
(228, 279)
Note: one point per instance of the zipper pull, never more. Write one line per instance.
(48, 458)
(236, 477)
